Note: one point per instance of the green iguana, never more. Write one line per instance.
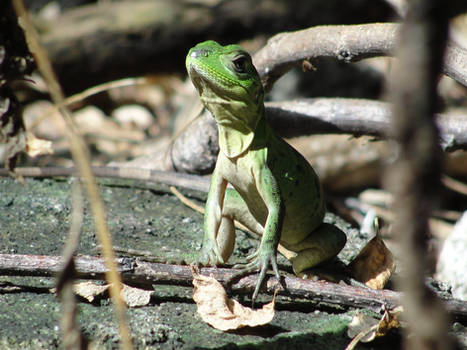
(276, 193)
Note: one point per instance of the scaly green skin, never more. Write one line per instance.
(276, 192)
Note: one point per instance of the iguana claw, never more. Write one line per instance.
(258, 261)
(209, 254)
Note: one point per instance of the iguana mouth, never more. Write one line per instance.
(201, 73)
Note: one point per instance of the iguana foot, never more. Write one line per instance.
(258, 261)
(209, 254)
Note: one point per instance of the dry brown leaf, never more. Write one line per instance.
(89, 290)
(36, 146)
(389, 320)
(133, 297)
(374, 264)
(223, 313)
(365, 328)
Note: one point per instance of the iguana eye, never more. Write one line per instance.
(239, 63)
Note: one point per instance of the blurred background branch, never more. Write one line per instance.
(415, 176)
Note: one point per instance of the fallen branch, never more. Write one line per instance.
(308, 117)
(194, 182)
(353, 116)
(346, 43)
(142, 272)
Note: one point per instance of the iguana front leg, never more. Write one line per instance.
(266, 253)
(210, 253)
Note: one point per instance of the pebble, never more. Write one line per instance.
(133, 116)
(452, 262)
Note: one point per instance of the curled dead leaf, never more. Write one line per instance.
(390, 319)
(223, 313)
(365, 328)
(89, 290)
(36, 147)
(132, 296)
(374, 265)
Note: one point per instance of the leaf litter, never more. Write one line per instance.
(222, 313)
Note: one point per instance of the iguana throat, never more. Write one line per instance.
(230, 88)
(236, 123)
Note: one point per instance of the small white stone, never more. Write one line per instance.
(133, 116)
(452, 262)
(89, 117)
(49, 126)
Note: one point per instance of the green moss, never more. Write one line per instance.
(34, 220)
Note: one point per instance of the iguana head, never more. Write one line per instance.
(230, 88)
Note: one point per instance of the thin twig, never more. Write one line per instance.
(360, 336)
(454, 185)
(81, 158)
(88, 93)
(73, 338)
(186, 201)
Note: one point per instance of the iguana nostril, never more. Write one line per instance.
(199, 53)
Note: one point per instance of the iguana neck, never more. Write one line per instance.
(237, 124)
